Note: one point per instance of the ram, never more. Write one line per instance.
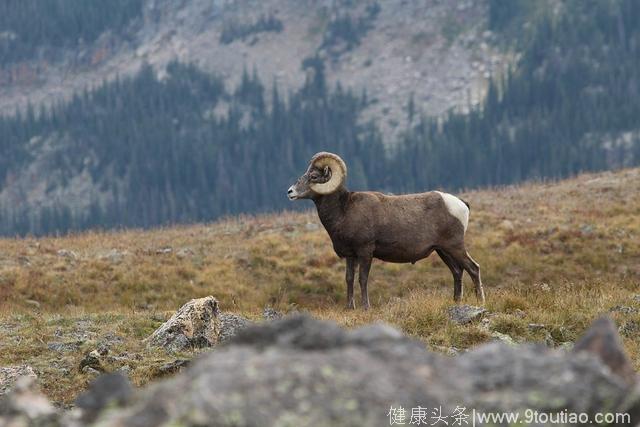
(364, 225)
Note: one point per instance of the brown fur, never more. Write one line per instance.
(402, 229)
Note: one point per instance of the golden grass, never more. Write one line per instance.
(557, 254)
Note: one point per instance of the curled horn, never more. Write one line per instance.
(338, 172)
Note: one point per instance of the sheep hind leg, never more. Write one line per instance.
(457, 272)
(350, 277)
(473, 268)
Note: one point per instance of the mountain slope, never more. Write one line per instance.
(179, 144)
(438, 51)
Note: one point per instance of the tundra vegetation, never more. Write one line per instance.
(554, 256)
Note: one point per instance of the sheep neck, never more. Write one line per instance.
(331, 208)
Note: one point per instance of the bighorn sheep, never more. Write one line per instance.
(364, 225)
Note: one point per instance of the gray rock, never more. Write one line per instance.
(463, 314)
(304, 372)
(270, 314)
(603, 339)
(507, 339)
(172, 367)
(10, 374)
(624, 309)
(110, 339)
(630, 328)
(92, 361)
(109, 390)
(449, 351)
(65, 253)
(486, 323)
(90, 371)
(192, 326)
(185, 253)
(566, 345)
(64, 347)
(548, 339)
(25, 406)
(114, 256)
(230, 324)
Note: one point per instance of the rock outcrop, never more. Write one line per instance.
(305, 372)
(463, 314)
(192, 326)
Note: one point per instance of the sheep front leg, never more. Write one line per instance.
(363, 277)
(350, 276)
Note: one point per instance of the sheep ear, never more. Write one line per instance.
(326, 171)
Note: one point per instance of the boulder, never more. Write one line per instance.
(603, 339)
(192, 326)
(463, 314)
(230, 324)
(10, 374)
(26, 406)
(109, 390)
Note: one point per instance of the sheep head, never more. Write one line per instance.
(326, 173)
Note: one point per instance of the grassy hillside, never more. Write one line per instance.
(556, 254)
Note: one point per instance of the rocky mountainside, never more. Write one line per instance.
(439, 51)
(164, 112)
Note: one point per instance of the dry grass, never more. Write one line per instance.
(556, 254)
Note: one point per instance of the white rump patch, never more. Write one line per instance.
(456, 207)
